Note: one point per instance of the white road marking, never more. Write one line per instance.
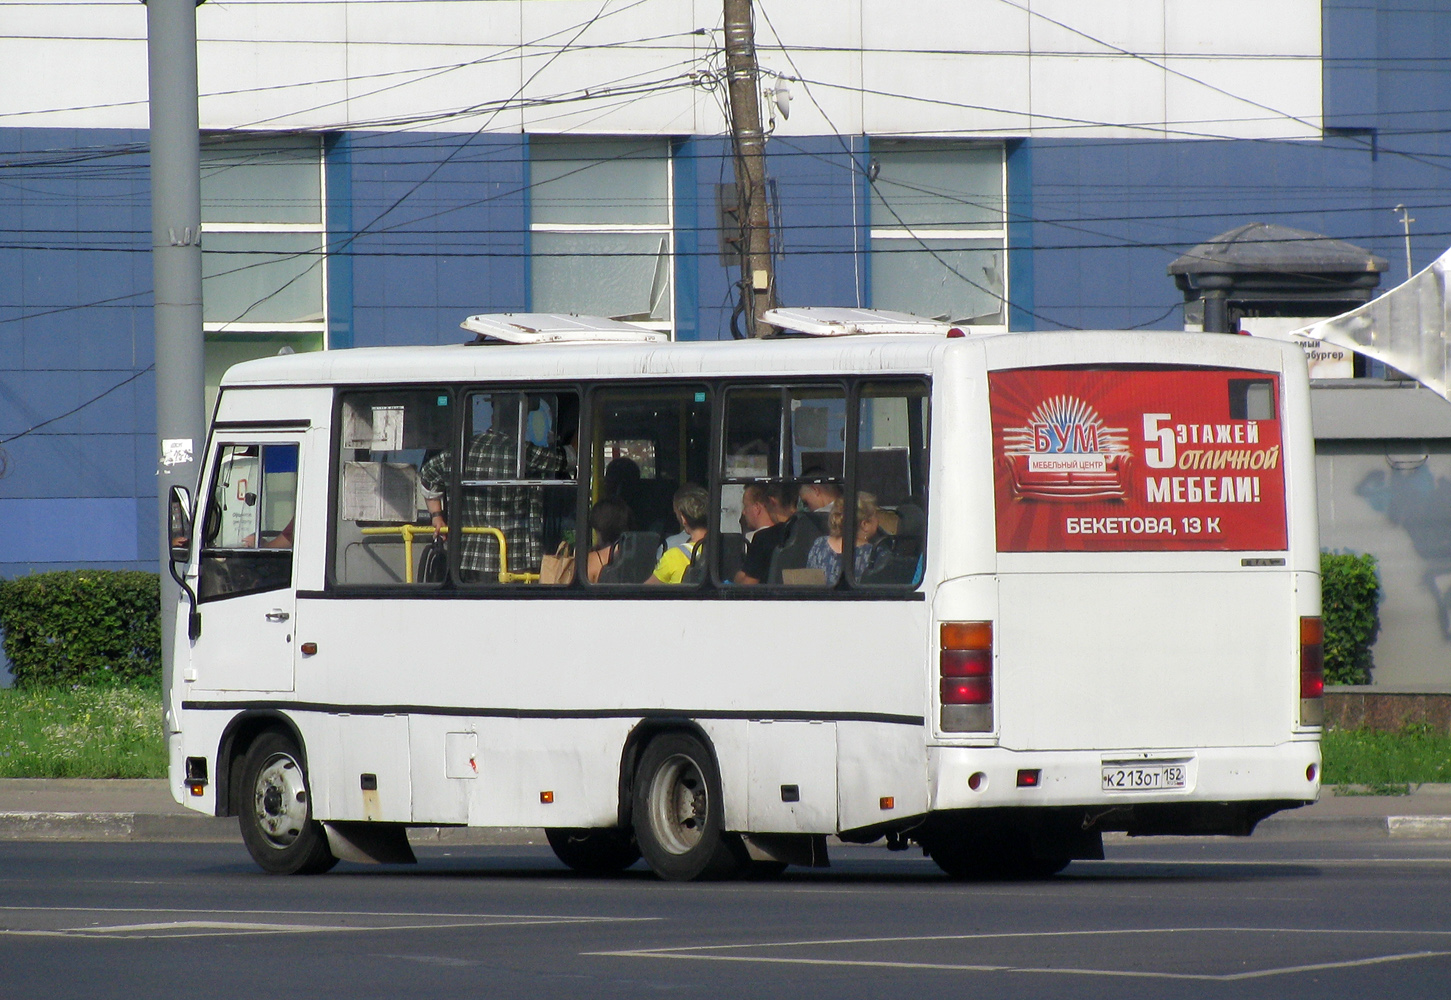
(703, 953)
(321, 913)
(239, 927)
(945, 967)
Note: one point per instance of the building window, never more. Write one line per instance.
(601, 229)
(938, 230)
(263, 270)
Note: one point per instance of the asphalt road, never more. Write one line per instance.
(1157, 919)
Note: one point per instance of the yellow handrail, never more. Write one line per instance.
(407, 531)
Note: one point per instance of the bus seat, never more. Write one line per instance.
(633, 558)
(898, 558)
(792, 554)
(732, 554)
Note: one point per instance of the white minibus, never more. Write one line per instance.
(569, 576)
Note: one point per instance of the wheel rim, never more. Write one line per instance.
(679, 804)
(280, 801)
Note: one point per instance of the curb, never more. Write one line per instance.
(117, 826)
(1356, 828)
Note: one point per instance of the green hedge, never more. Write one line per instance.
(1350, 598)
(82, 627)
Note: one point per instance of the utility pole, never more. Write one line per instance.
(176, 262)
(758, 275)
(1406, 221)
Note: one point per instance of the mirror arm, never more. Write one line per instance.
(194, 617)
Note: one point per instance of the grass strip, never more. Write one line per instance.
(116, 732)
(82, 732)
(1377, 760)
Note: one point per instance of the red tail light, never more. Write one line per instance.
(967, 690)
(1312, 671)
(965, 667)
(1312, 658)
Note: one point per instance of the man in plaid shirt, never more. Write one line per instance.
(517, 511)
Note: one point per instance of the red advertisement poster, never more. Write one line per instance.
(1137, 460)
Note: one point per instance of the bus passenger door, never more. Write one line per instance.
(244, 577)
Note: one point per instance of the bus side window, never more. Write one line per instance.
(249, 521)
(783, 459)
(380, 523)
(517, 502)
(891, 484)
(648, 444)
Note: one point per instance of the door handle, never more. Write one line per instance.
(278, 616)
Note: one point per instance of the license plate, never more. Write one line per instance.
(1142, 777)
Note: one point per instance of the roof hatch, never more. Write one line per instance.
(834, 322)
(556, 328)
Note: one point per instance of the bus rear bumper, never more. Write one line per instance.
(996, 777)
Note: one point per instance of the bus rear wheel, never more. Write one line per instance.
(594, 852)
(677, 813)
(276, 810)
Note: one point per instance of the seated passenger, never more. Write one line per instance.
(763, 518)
(609, 519)
(826, 551)
(820, 498)
(516, 511)
(690, 505)
(622, 481)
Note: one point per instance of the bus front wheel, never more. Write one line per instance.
(276, 810)
(594, 852)
(677, 812)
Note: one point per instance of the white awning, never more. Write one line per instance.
(558, 328)
(1408, 328)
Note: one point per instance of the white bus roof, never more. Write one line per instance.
(780, 356)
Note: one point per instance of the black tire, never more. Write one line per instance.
(594, 852)
(992, 860)
(275, 810)
(678, 815)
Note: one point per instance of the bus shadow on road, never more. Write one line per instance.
(532, 864)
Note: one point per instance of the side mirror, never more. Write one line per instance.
(178, 520)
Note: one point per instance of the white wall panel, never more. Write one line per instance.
(941, 95)
(938, 25)
(1086, 96)
(445, 22)
(450, 80)
(292, 85)
(272, 22)
(944, 67)
(621, 50)
(799, 40)
(835, 26)
(1195, 107)
(1135, 25)
(40, 80)
(1242, 27)
(842, 104)
(75, 19)
(628, 100)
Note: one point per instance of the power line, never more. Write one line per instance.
(857, 166)
(76, 409)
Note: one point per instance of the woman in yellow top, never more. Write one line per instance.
(690, 503)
